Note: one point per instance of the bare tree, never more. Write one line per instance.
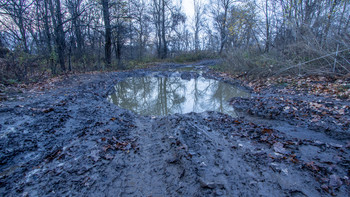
(17, 10)
(55, 8)
(120, 16)
(198, 22)
(297, 29)
(142, 26)
(267, 23)
(108, 32)
(220, 11)
(333, 4)
(164, 52)
(161, 11)
(48, 36)
(74, 8)
(159, 20)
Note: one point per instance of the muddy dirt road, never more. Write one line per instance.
(70, 141)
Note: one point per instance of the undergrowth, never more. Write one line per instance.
(296, 60)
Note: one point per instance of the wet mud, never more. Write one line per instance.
(71, 141)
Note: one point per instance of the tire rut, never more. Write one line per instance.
(144, 172)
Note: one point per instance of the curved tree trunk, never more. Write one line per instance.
(108, 32)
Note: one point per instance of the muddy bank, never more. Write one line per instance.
(71, 141)
(318, 114)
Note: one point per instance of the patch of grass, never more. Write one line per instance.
(282, 84)
(193, 56)
(342, 96)
(252, 63)
(12, 81)
(143, 63)
(346, 87)
(184, 57)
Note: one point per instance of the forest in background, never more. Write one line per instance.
(254, 37)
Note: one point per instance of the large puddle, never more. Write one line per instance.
(170, 95)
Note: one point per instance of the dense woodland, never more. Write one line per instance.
(40, 37)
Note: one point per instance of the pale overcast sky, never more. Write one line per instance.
(188, 8)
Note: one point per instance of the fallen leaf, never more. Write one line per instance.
(325, 187)
(265, 130)
(341, 112)
(105, 148)
(313, 166)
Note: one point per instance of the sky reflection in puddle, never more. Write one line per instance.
(170, 95)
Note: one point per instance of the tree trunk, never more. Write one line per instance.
(329, 21)
(23, 31)
(61, 45)
(267, 45)
(140, 39)
(165, 47)
(223, 31)
(157, 21)
(17, 10)
(48, 36)
(75, 8)
(59, 33)
(347, 24)
(197, 26)
(108, 32)
(341, 17)
(118, 46)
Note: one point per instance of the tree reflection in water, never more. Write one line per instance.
(162, 95)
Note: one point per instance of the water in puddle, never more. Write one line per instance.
(170, 95)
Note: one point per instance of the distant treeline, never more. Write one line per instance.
(65, 35)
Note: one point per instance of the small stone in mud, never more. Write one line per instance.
(47, 110)
(207, 184)
(173, 160)
(325, 187)
(253, 183)
(219, 192)
(334, 181)
(278, 147)
(109, 157)
(95, 155)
